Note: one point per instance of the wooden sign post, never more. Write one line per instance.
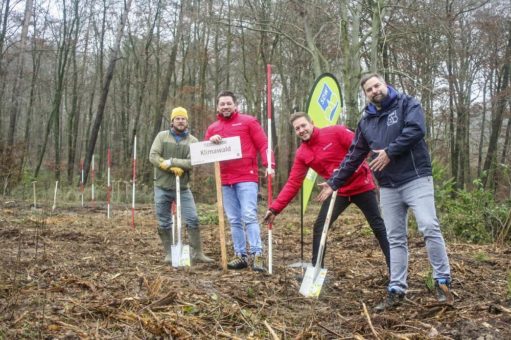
(207, 152)
(221, 220)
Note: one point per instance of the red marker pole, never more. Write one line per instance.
(134, 181)
(109, 188)
(269, 170)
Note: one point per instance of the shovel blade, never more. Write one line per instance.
(180, 255)
(184, 261)
(311, 284)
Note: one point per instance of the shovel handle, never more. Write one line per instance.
(178, 209)
(321, 250)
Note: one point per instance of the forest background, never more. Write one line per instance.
(80, 76)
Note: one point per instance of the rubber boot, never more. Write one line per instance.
(196, 245)
(166, 239)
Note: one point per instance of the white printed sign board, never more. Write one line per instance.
(207, 152)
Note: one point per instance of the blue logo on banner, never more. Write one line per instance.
(332, 113)
(324, 97)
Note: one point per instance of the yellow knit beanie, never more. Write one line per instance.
(178, 112)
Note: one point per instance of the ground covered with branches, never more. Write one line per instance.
(75, 274)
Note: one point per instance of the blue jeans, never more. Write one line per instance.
(240, 205)
(163, 199)
(419, 196)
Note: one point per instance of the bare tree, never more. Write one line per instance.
(105, 88)
(63, 50)
(16, 92)
(490, 163)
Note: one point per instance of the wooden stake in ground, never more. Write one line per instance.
(134, 181)
(55, 196)
(109, 188)
(92, 175)
(33, 189)
(81, 180)
(221, 221)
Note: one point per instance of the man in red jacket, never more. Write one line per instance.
(322, 150)
(240, 178)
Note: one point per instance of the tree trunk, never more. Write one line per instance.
(54, 119)
(3, 32)
(503, 157)
(490, 162)
(16, 92)
(481, 135)
(351, 70)
(159, 112)
(36, 63)
(104, 93)
(376, 25)
(450, 79)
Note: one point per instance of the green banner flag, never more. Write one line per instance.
(324, 106)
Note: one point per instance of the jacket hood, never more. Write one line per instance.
(385, 104)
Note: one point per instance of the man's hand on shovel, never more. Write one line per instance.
(326, 192)
(177, 171)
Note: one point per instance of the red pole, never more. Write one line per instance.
(270, 171)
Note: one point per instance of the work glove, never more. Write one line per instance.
(166, 164)
(177, 171)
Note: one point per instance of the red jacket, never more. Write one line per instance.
(253, 140)
(323, 152)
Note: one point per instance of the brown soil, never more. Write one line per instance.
(76, 274)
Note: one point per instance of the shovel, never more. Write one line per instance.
(180, 253)
(315, 275)
(173, 211)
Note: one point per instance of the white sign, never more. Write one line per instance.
(207, 152)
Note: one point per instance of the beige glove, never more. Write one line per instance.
(165, 165)
(177, 171)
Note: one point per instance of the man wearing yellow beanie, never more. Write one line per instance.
(178, 112)
(170, 155)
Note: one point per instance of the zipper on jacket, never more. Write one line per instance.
(413, 162)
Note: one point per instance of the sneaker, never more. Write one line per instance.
(238, 262)
(258, 264)
(392, 300)
(443, 291)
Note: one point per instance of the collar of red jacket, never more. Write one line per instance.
(314, 135)
(226, 119)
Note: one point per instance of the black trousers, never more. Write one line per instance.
(368, 204)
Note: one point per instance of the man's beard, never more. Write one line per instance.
(226, 114)
(179, 129)
(380, 99)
